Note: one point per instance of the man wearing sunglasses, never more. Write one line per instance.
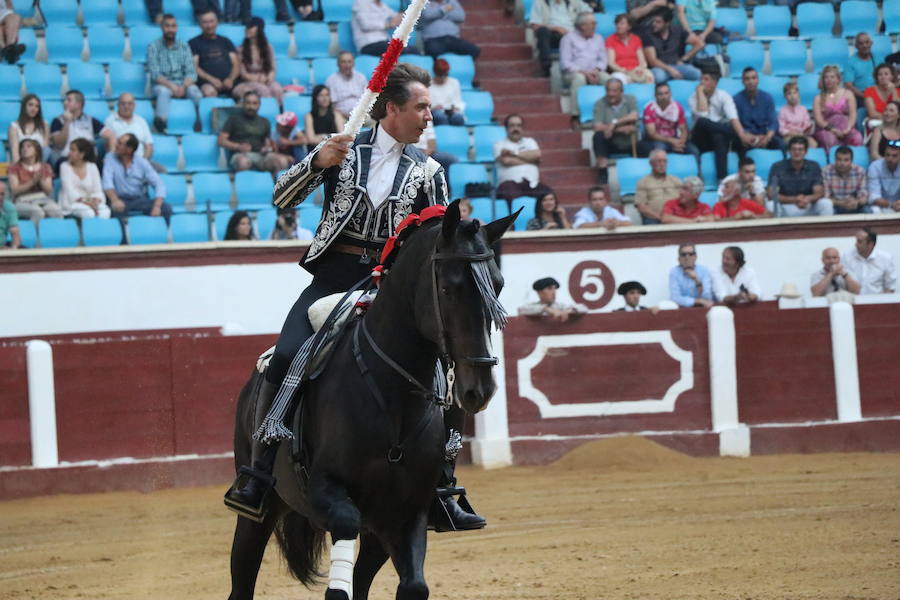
(690, 284)
(884, 180)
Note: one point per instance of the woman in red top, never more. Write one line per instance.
(626, 54)
(877, 96)
(732, 207)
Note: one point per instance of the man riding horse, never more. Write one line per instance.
(371, 185)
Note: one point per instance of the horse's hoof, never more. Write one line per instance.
(331, 594)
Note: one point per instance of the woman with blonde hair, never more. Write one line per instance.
(834, 111)
(625, 54)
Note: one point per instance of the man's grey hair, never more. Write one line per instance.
(860, 36)
(694, 183)
(684, 245)
(658, 152)
(582, 16)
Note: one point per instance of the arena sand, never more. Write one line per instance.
(621, 518)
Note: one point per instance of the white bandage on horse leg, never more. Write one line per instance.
(341, 575)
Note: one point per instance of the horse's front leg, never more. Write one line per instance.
(371, 558)
(247, 549)
(334, 508)
(407, 550)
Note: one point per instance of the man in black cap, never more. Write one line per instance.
(632, 292)
(547, 306)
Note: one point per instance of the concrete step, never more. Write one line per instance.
(504, 69)
(508, 51)
(488, 17)
(569, 176)
(500, 34)
(482, 5)
(506, 87)
(555, 122)
(564, 157)
(526, 104)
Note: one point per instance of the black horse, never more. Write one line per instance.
(375, 441)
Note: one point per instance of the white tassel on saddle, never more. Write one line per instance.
(343, 555)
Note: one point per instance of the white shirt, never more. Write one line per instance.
(137, 126)
(721, 107)
(386, 152)
(875, 274)
(516, 173)
(587, 215)
(724, 286)
(448, 95)
(757, 186)
(370, 22)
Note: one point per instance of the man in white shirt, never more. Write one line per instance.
(873, 269)
(125, 121)
(447, 106)
(716, 123)
(517, 158)
(347, 85)
(750, 184)
(598, 213)
(735, 282)
(832, 277)
(372, 22)
(547, 306)
(551, 20)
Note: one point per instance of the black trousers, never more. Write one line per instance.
(547, 42)
(448, 44)
(718, 137)
(335, 272)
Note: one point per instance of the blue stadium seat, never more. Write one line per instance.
(299, 105)
(313, 38)
(323, 67)
(253, 190)
(220, 222)
(479, 107)
(728, 84)
(587, 97)
(642, 92)
(107, 44)
(366, 64)
(99, 109)
(213, 189)
(771, 21)
(858, 15)
(338, 10)
(43, 80)
(64, 43)
(814, 19)
(63, 12)
(308, 213)
(52, 107)
(629, 171)
(891, 11)
(265, 222)
(345, 37)
(808, 84)
(709, 198)
(744, 54)
(233, 32)
(681, 92)
(59, 233)
(764, 160)
(201, 153)
(268, 109)
(128, 77)
(135, 12)
(462, 173)
(187, 228)
(9, 112)
(774, 86)
(28, 234)
(176, 190)
(788, 57)
(28, 37)
(453, 140)
(88, 78)
(462, 67)
(278, 34)
(606, 24)
(101, 232)
(141, 36)
(860, 155)
(182, 116)
(614, 7)
(682, 165)
(295, 72)
(206, 108)
(145, 109)
(487, 210)
(708, 168)
(10, 83)
(423, 62)
(165, 152)
(187, 30)
(828, 51)
(881, 45)
(485, 137)
(181, 10)
(817, 155)
(99, 13)
(147, 230)
(526, 203)
(732, 19)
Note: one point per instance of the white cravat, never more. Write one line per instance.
(386, 152)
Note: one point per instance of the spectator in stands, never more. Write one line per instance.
(699, 16)
(625, 54)
(655, 189)
(237, 11)
(215, 58)
(598, 213)
(641, 12)
(239, 227)
(547, 306)
(257, 64)
(687, 208)
(893, 61)
(690, 284)
(81, 191)
(582, 57)
(756, 113)
(9, 34)
(551, 20)
(439, 27)
(845, 184)
(372, 22)
(794, 119)
(154, 10)
(834, 110)
(749, 184)
(9, 223)
(615, 125)
(123, 121)
(31, 184)
(873, 269)
(888, 131)
(287, 227)
(288, 138)
(548, 214)
(665, 45)
(797, 183)
(733, 206)
(127, 179)
(246, 135)
(346, 86)
(447, 106)
(859, 73)
(324, 119)
(631, 292)
(665, 125)
(30, 125)
(428, 144)
(72, 124)
(735, 282)
(832, 277)
(716, 123)
(517, 158)
(172, 71)
(885, 90)
(884, 180)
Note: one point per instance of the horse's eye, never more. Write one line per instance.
(445, 291)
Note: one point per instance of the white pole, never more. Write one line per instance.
(41, 404)
(734, 437)
(491, 447)
(843, 353)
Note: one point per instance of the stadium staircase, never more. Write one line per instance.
(507, 69)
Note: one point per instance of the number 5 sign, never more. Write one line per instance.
(591, 283)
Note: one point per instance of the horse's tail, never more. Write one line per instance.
(302, 546)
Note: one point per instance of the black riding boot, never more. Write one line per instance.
(448, 513)
(250, 491)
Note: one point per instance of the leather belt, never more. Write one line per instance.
(356, 250)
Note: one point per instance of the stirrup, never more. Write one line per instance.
(235, 503)
(439, 518)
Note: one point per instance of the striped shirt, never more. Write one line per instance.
(838, 187)
(175, 64)
(345, 92)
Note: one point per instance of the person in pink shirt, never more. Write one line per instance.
(793, 118)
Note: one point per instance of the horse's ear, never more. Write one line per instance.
(451, 220)
(495, 229)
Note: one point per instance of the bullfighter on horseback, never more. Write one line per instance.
(371, 185)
